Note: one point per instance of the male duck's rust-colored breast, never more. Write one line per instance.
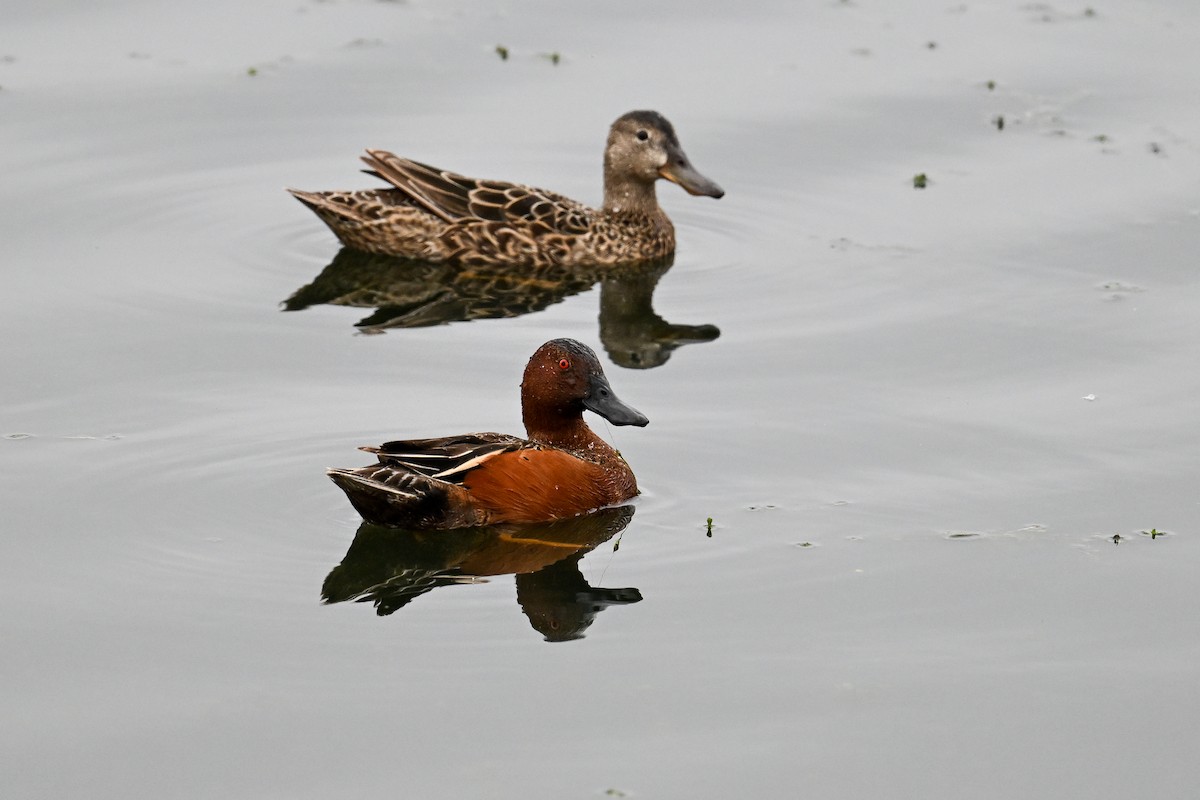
(537, 485)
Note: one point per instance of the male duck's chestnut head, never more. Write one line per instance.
(563, 378)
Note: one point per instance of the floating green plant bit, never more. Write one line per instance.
(252, 71)
(553, 58)
(502, 51)
(708, 530)
(991, 86)
(998, 121)
(1154, 533)
(920, 180)
(1102, 138)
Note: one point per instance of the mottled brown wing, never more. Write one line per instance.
(441, 193)
(523, 206)
(455, 198)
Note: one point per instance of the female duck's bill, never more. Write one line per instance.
(676, 166)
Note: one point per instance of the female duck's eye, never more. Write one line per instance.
(643, 135)
(564, 363)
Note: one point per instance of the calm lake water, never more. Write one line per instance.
(933, 429)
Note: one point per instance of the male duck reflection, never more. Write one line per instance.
(561, 470)
(390, 567)
(435, 215)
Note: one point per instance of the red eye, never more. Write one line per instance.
(564, 363)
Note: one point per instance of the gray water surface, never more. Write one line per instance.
(932, 428)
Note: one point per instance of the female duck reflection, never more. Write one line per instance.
(390, 567)
(418, 294)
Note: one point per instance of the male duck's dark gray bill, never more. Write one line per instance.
(602, 400)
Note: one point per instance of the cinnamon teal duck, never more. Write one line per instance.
(436, 215)
(561, 470)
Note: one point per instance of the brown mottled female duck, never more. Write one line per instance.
(439, 216)
(563, 469)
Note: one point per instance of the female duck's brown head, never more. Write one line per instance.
(642, 147)
(562, 379)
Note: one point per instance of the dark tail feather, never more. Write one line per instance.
(399, 501)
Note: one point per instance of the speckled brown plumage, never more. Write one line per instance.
(440, 216)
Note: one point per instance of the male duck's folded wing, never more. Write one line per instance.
(446, 458)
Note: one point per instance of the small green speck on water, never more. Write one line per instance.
(920, 180)
(502, 51)
(1116, 538)
(1100, 137)
(252, 71)
(614, 793)
(1089, 12)
(553, 58)
(1154, 533)
(991, 85)
(998, 121)
(708, 531)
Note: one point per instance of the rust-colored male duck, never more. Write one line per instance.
(561, 470)
(435, 215)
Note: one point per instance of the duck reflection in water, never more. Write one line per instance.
(632, 334)
(390, 567)
(418, 294)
